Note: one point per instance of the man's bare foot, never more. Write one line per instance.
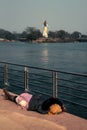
(6, 93)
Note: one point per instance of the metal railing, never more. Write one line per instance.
(69, 87)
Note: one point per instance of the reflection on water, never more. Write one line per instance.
(45, 55)
(71, 57)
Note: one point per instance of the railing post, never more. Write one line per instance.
(56, 85)
(53, 83)
(6, 75)
(26, 85)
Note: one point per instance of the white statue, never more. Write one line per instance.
(45, 30)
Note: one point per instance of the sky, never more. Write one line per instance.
(68, 15)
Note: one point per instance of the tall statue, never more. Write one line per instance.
(45, 30)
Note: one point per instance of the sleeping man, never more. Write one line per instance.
(36, 103)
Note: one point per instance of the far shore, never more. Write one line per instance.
(58, 40)
(52, 40)
(48, 40)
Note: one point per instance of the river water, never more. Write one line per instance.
(68, 57)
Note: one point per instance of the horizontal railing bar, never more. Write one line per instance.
(1, 73)
(40, 75)
(16, 86)
(16, 70)
(16, 75)
(41, 92)
(78, 74)
(73, 95)
(41, 81)
(74, 102)
(17, 80)
(17, 83)
(40, 86)
(72, 81)
(73, 88)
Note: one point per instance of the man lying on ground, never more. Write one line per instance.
(36, 103)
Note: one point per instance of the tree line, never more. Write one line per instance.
(31, 33)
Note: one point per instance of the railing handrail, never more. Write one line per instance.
(68, 86)
(33, 67)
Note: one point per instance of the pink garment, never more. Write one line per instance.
(23, 100)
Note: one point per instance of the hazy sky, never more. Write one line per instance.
(69, 15)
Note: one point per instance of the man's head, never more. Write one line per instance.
(54, 109)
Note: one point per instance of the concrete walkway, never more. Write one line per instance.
(12, 118)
